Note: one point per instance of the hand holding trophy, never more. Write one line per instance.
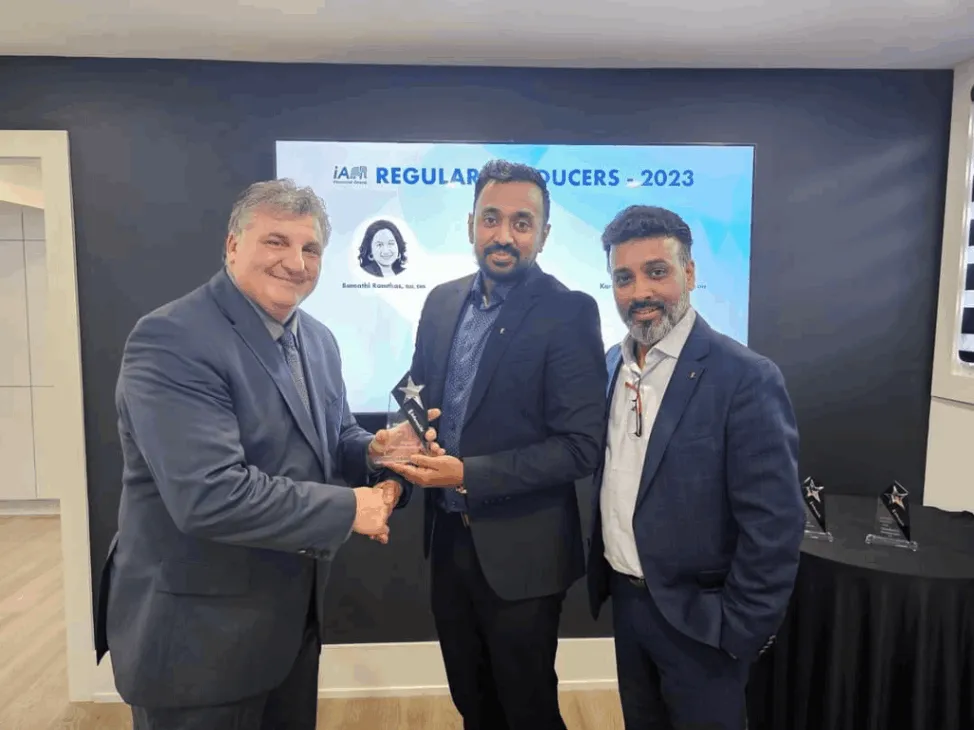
(407, 430)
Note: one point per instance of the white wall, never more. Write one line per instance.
(23, 380)
(949, 482)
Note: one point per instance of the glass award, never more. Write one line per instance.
(407, 422)
(892, 524)
(813, 494)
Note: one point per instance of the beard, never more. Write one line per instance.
(514, 272)
(648, 334)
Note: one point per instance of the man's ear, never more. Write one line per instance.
(691, 275)
(544, 237)
(470, 236)
(229, 248)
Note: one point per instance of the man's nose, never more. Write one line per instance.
(294, 260)
(505, 234)
(643, 288)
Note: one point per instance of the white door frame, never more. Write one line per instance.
(952, 379)
(60, 419)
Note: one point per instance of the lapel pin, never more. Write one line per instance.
(693, 375)
(502, 330)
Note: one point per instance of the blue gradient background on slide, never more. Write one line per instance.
(376, 327)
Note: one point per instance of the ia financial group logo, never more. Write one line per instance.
(356, 175)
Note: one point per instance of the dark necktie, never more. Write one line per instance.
(290, 345)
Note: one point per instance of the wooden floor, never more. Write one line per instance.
(33, 665)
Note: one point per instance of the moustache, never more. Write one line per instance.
(501, 248)
(645, 305)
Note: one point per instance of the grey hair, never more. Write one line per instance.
(279, 196)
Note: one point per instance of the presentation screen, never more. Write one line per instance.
(399, 227)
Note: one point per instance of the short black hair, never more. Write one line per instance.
(503, 171)
(648, 221)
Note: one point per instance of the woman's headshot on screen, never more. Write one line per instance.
(383, 250)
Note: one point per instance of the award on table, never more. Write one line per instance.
(407, 418)
(813, 494)
(892, 524)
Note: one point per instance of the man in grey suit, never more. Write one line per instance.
(237, 443)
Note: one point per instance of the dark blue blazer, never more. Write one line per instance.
(719, 518)
(533, 427)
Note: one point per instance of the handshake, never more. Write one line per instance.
(399, 449)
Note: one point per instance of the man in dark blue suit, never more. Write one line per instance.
(516, 363)
(244, 474)
(698, 512)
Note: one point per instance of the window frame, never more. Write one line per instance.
(953, 379)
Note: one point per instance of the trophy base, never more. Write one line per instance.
(819, 535)
(386, 460)
(892, 542)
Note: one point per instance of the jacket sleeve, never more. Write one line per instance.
(180, 409)
(764, 491)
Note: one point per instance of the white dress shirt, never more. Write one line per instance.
(624, 450)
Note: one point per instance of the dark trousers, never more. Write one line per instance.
(499, 655)
(668, 681)
(292, 705)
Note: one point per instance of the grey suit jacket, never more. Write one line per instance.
(233, 498)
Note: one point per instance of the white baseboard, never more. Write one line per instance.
(405, 670)
(29, 507)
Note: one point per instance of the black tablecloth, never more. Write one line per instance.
(876, 638)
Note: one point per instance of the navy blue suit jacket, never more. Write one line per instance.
(533, 427)
(719, 518)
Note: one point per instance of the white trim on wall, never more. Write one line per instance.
(953, 380)
(409, 669)
(29, 507)
(62, 442)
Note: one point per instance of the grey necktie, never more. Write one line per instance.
(290, 345)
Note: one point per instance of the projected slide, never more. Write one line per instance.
(399, 227)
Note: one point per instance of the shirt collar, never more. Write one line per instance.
(670, 346)
(502, 289)
(498, 293)
(275, 328)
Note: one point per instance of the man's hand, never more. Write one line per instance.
(431, 471)
(401, 441)
(390, 490)
(372, 510)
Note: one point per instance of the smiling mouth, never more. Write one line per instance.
(501, 257)
(641, 315)
(292, 282)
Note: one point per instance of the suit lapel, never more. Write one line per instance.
(688, 373)
(518, 303)
(448, 319)
(252, 331)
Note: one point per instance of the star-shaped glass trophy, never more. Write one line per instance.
(813, 495)
(892, 524)
(406, 421)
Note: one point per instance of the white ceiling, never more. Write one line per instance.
(598, 33)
